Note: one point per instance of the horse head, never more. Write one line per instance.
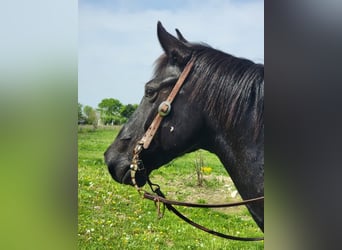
(180, 130)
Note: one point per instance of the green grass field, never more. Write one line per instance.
(114, 216)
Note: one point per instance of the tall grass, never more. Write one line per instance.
(114, 216)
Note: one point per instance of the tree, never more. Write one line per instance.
(110, 110)
(91, 116)
(81, 118)
(128, 110)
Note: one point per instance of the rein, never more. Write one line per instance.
(137, 165)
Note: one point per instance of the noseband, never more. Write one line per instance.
(137, 165)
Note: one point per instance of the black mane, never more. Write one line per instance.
(232, 88)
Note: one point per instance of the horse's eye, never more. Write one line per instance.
(150, 94)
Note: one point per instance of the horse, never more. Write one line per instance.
(219, 108)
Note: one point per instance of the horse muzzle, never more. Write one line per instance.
(121, 172)
(140, 178)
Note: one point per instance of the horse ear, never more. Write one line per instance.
(181, 37)
(175, 49)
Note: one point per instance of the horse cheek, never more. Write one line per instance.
(169, 137)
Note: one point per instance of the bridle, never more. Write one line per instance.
(137, 165)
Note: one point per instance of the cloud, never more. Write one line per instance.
(117, 46)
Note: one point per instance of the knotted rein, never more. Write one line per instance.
(137, 165)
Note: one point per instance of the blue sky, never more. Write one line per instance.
(118, 43)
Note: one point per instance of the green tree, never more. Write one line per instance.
(81, 118)
(110, 110)
(90, 115)
(128, 110)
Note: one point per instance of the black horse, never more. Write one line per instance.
(219, 108)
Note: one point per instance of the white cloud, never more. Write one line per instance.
(117, 48)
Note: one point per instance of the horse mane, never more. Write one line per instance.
(231, 88)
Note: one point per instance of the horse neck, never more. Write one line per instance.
(244, 162)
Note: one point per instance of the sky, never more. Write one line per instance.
(118, 43)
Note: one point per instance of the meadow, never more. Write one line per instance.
(115, 216)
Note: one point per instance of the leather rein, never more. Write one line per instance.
(137, 165)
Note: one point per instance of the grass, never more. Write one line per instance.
(114, 216)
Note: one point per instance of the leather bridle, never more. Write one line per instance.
(137, 165)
